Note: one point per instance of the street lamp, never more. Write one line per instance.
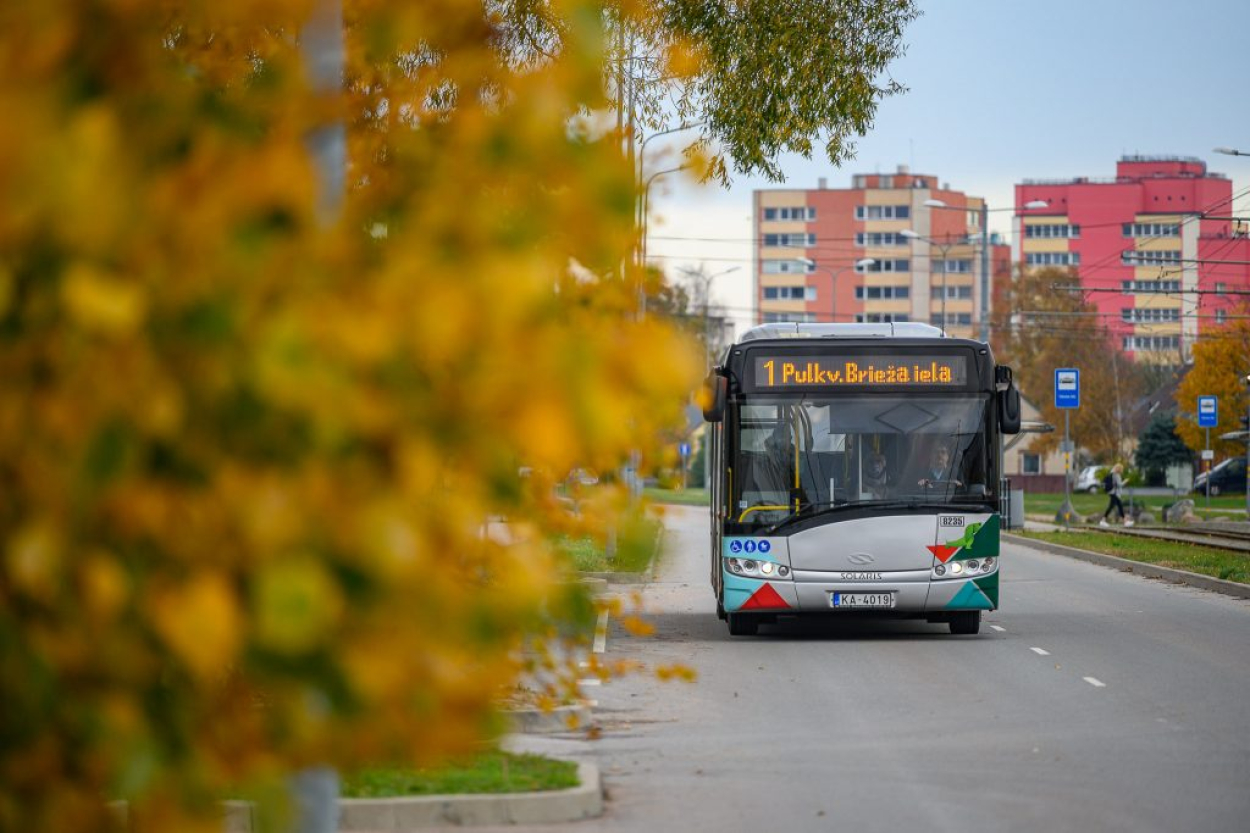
(1231, 151)
(985, 254)
(646, 203)
(944, 248)
(862, 263)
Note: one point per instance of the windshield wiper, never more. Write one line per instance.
(816, 510)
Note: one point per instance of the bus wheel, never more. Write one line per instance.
(741, 624)
(966, 624)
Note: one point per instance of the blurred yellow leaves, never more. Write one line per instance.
(296, 482)
(201, 622)
(102, 303)
(296, 603)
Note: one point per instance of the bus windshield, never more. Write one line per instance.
(793, 454)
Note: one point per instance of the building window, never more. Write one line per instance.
(953, 319)
(1133, 344)
(1151, 287)
(789, 293)
(1221, 316)
(1133, 315)
(789, 317)
(1133, 257)
(880, 318)
(896, 265)
(1030, 463)
(882, 293)
(882, 212)
(954, 267)
(1220, 288)
(799, 239)
(787, 267)
(879, 238)
(800, 213)
(1052, 231)
(1052, 259)
(1152, 230)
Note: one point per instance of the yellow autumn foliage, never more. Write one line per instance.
(249, 452)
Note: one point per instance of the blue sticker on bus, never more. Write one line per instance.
(749, 546)
(735, 546)
(765, 546)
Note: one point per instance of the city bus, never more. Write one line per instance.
(855, 471)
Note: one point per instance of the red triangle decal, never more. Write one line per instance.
(943, 552)
(765, 598)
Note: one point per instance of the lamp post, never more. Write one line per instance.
(1231, 151)
(944, 248)
(985, 254)
(862, 263)
(646, 202)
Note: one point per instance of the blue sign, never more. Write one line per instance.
(1208, 411)
(1067, 387)
(684, 449)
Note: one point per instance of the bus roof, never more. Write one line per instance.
(904, 329)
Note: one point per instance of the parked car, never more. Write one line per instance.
(1226, 478)
(1088, 480)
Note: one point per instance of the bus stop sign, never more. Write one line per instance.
(1067, 387)
(1208, 411)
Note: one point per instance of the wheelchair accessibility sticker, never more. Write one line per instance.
(749, 546)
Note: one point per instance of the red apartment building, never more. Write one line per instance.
(839, 254)
(1156, 249)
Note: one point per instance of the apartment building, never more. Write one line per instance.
(892, 247)
(1155, 249)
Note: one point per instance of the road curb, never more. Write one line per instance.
(396, 815)
(1215, 585)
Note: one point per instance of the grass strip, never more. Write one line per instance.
(636, 548)
(1086, 505)
(492, 773)
(1221, 564)
(684, 497)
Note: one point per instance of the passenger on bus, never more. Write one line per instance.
(877, 480)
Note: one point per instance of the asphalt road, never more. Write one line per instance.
(1092, 700)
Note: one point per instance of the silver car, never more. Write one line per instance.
(1088, 480)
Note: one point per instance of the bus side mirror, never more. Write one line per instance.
(1009, 410)
(715, 392)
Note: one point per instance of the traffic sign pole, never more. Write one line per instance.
(1067, 397)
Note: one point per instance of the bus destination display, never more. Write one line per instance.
(859, 371)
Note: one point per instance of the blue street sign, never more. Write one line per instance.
(1208, 411)
(684, 449)
(1067, 387)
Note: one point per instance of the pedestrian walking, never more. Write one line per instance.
(1113, 485)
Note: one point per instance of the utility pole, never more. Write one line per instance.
(985, 271)
(315, 790)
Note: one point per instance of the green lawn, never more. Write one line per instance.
(492, 772)
(1233, 506)
(636, 546)
(1222, 564)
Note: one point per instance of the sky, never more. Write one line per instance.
(1000, 91)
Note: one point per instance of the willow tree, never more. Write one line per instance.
(246, 453)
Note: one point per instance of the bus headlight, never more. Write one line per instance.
(965, 569)
(756, 569)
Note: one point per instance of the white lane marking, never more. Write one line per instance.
(1095, 682)
(1041, 652)
(590, 681)
(601, 633)
(997, 628)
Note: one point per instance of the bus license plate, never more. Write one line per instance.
(861, 599)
